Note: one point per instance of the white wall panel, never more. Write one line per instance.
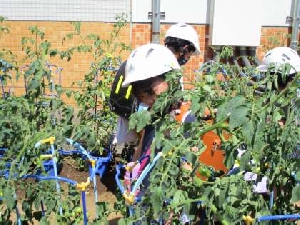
(274, 12)
(238, 25)
(189, 11)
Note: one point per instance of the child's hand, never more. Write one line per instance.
(187, 166)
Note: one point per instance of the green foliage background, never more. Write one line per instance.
(252, 121)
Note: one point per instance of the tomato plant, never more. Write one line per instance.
(96, 119)
(39, 113)
(25, 120)
(253, 123)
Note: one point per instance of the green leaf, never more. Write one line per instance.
(248, 131)
(230, 159)
(258, 141)
(195, 106)
(238, 117)
(139, 120)
(69, 36)
(53, 53)
(209, 78)
(198, 182)
(229, 107)
(157, 200)
(297, 177)
(295, 194)
(8, 197)
(101, 208)
(236, 102)
(77, 26)
(179, 198)
(207, 88)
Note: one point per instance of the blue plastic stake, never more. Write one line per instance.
(85, 219)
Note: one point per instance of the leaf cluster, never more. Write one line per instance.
(252, 123)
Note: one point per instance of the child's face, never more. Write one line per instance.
(186, 55)
(190, 50)
(148, 97)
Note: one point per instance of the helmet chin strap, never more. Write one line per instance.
(181, 59)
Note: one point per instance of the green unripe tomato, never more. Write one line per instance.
(204, 172)
(213, 208)
(78, 209)
(225, 222)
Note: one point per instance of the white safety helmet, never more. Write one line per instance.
(149, 60)
(185, 32)
(275, 59)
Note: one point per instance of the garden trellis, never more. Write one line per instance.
(49, 171)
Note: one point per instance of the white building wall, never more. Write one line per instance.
(189, 11)
(235, 26)
(274, 12)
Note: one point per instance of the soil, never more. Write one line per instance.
(106, 188)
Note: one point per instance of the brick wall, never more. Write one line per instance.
(271, 37)
(141, 33)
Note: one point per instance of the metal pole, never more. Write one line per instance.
(156, 21)
(130, 24)
(295, 25)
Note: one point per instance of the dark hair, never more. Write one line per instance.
(283, 82)
(145, 85)
(176, 44)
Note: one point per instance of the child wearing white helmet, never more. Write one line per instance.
(145, 71)
(276, 60)
(148, 61)
(284, 62)
(182, 39)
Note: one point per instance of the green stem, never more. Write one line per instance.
(219, 124)
(17, 159)
(188, 202)
(281, 93)
(164, 175)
